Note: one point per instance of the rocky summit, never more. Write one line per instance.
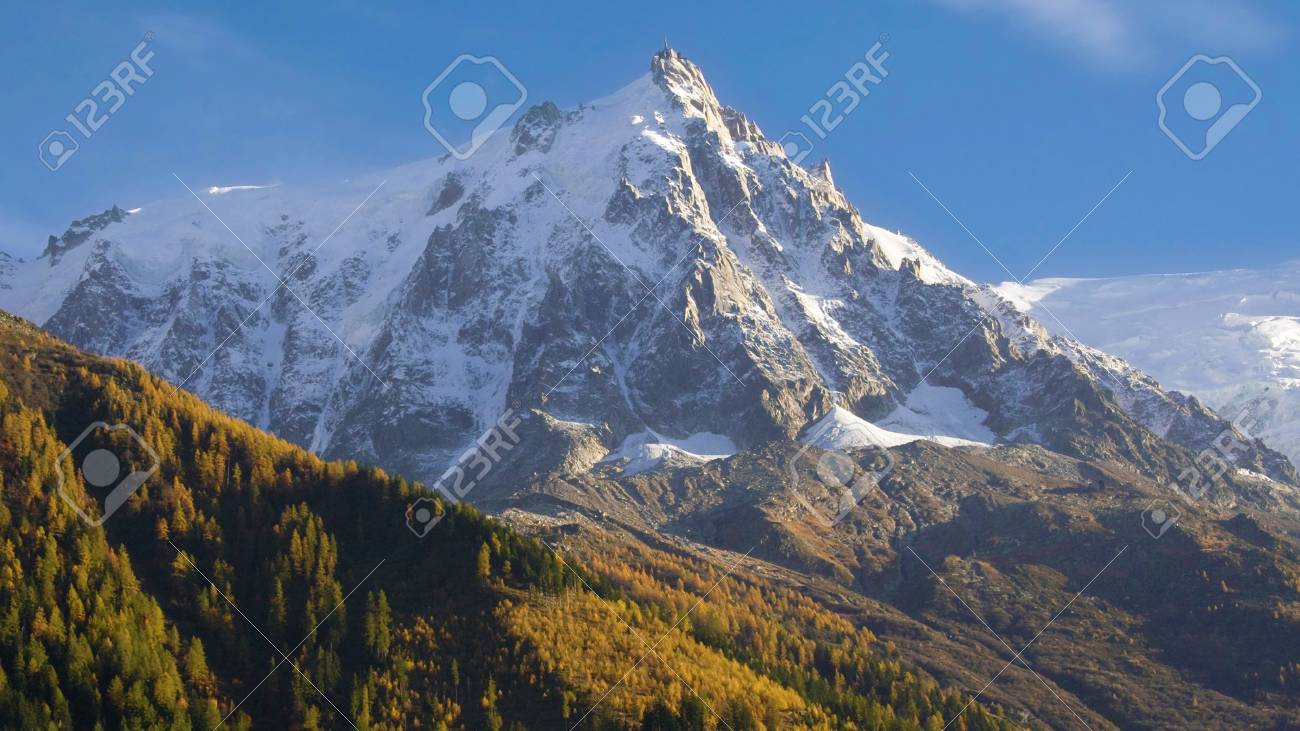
(646, 274)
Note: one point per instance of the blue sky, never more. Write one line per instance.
(1019, 116)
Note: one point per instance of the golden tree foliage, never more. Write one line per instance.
(243, 550)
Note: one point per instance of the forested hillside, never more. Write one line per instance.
(242, 550)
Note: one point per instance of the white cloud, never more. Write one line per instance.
(208, 44)
(1120, 35)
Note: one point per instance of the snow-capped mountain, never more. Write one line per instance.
(1231, 338)
(638, 275)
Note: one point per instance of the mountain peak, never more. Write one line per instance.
(81, 230)
(685, 84)
(475, 286)
(824, 170)
(668, 53)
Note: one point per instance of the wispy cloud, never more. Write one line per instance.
(1123, 34)
(208, 43)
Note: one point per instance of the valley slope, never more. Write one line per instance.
(248, 584)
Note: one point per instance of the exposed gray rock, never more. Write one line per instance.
(80, 231)
(650, 262)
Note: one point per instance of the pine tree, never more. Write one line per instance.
(376, 625)
(489, 703)
(484, 564)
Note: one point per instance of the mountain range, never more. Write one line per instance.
(713, 372)
(645, 268)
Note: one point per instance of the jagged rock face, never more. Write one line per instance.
(80, 231)
(649, 261)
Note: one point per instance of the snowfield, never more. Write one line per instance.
(1230, 338)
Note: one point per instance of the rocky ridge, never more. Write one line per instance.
(646, 264)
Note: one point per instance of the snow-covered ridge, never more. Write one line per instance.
(419, 303)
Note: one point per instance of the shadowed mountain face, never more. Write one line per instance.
(647, 266)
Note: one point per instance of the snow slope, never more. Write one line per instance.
(1230, 338)
(942, 415)
(648, 450)
(842, 429)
